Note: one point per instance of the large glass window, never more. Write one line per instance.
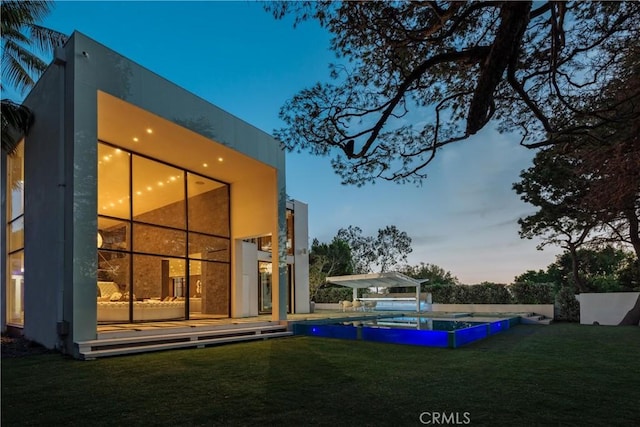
(290, 235)
(172, 232)
(15, 289)
(113, 182)
(14, 281)
(158, 193)
(264, 286)
(208, 205)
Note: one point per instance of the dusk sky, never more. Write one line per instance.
(238, 57)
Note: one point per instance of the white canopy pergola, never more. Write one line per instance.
(392, 279)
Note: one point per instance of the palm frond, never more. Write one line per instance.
(16, 122)
(16, 13)
(23, 41)
(20, 67)
(46, 39)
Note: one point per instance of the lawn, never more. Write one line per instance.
(563, 374)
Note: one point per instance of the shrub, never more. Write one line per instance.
(484, 293)
(332, 295)
(489, 293)
(569, 305)
(532, 293)
(443, 294)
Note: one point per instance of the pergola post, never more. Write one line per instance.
(355, 293)
(418, 298)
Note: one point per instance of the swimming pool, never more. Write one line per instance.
(411, 330)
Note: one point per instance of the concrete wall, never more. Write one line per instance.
(245, 299)
(301, 256)
(48, 190)
(544, 309)
(605, 308)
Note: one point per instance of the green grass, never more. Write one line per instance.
(563, 374)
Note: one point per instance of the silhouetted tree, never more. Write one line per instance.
(417, 76)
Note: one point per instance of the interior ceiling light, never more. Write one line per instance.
(205, 165)
(149, 130)
(149, 188)
(220, 159)
(135, 139)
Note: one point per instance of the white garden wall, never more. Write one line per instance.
(543, 309)
(606, 309)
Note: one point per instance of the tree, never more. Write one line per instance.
(23, 40)
(325, 260)
(417, 76)
(609, 158)
(593, 188)
(434, 274)
(387, 250)
(555, 188)
(605, 269)
(363, 253)
(391, 247)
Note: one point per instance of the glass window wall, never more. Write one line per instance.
(173, 236)
(14, 281)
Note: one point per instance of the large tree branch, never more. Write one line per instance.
(473, 54)
(506, 45)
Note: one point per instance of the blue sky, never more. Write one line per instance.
(238, 57)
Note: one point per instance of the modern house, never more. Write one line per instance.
(132, 200)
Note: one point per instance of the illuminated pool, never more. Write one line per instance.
(412, 330)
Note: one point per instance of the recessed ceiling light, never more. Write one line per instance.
(160, 183)
(135, 139)
(220, 159)
(149, 130)
(139, 193)
(173, 178)
(149, 188)
(106, 158)
(118, 150)
(205, 165)
(111, 204)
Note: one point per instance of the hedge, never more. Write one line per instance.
(329, 295)
(483, 293)
(532, 293)
(491, 293)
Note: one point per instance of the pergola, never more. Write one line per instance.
(392, 279)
